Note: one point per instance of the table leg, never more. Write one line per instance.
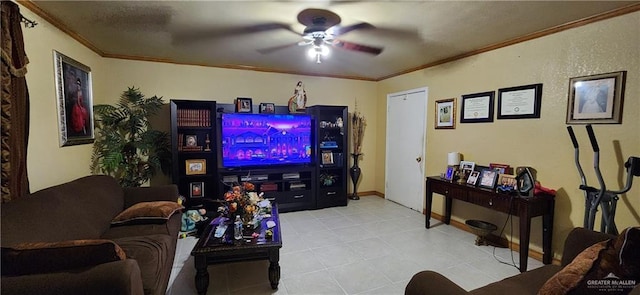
(547, 234)
(525, 231)
(202, 275)
(274, 268)
(428, 199)
(447, 209)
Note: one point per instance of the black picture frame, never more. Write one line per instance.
(521, 102)
(473, 178)
(267, 108)
(244, 105)
(488, 178)
(477, 107)
(75, 100)
(445, 117)
(190, 140)
(596, 99)
(196, 189)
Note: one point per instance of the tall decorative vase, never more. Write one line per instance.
(355, 175)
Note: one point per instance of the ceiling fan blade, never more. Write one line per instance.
(357, 47)
(203, 35)
(276, 48)
(337, 30)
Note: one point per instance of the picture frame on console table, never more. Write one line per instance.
(521, 102)
(596, 99)
(501, 168)
(488, 178)
(75, 100)
(450, 173)
(473, 178)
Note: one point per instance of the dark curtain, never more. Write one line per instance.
(15, 105)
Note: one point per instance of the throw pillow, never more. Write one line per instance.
(147, 212)
(611, 266)
(45, 257)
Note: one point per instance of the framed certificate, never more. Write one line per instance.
(520, 102)
(477, 107)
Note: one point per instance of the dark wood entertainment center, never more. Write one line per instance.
(524, 208)
(195, 141)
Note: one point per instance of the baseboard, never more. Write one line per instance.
(370, 193)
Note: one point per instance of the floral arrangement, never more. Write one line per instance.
(358, 124)
(242, 200)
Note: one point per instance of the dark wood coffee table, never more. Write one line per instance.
(209, 251)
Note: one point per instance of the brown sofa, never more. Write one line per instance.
(81, 211)
(530, 282)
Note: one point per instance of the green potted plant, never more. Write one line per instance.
(126, 147)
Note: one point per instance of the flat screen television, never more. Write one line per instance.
(252, 140)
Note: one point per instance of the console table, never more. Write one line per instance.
(524, 208)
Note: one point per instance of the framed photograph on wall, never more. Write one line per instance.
(195, 166)
(244, 105)
(596, 99)
(74, 100)
(196, 189)
(445, 114)
(522, 102)
(267, 108)
(477, 107)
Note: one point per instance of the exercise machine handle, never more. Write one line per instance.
(573, 137)
(592, 137)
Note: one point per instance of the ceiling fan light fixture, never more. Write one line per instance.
(317, 52)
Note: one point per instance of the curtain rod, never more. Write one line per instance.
(27, 22)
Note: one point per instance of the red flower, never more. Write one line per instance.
(228, 196)
(249, 187)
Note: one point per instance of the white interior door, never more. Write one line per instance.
(406, 138)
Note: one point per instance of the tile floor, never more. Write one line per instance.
(371, 246)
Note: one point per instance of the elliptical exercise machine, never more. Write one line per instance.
(602, 197)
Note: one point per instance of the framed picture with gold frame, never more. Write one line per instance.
(75, 100)
(596, 99)
(195, 166)
(445, 114)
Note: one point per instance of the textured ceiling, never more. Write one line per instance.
(413, 34)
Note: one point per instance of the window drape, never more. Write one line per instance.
(15, 105)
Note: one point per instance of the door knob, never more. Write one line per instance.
(419, 159)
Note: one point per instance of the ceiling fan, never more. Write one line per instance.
(322, 30)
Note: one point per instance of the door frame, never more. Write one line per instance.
(424, 141)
